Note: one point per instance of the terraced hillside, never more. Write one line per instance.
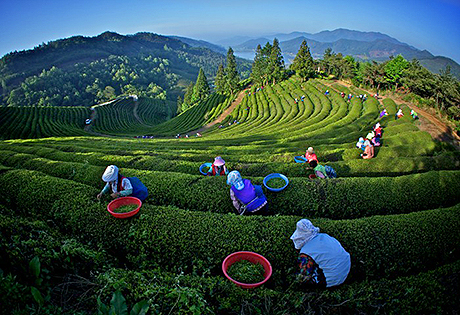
(40, 122)
(132, 117)
(122, 116)
(398, 214)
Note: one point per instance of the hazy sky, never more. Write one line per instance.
(431, 25)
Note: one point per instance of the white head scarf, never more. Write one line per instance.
(304, 232)
(234, 178)
(110, 174)
(310, 150)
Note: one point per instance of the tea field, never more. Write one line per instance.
(398, 214)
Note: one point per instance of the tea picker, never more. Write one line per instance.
(122, 186)
(322, 171)
(247, 198)
(310, 155)
(217, 168)
(322, 261)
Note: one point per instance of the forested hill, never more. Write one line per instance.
(86, 70)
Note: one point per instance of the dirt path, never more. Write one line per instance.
(88, 127)
(428, 122)
(93, 116)
(136, 106)
(222, 116)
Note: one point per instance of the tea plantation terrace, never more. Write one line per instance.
(398, 214)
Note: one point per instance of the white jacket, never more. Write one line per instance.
(330, 256)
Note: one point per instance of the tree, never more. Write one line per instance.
(350, 67)
(201, 89)
(266, 52)
(303, 63)
(187, 97)
(109, 93)
(231, 74)
(447, 92)
(219, 81)
(275, 63)
(259, 66)
(260, 72)
(418, 79)
(179, 104)
(394, 70)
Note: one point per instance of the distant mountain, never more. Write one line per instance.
(439, 62)
(378, 50)
(361, 45)
(335, 35)
(251, 44)
(285, 37)
(236, 40)
(201, 43)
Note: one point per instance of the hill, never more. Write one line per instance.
(201, 43)
(378, 50)
(86, 70)
(439, 62)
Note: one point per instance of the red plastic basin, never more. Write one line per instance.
(123, 201)
(251, 257)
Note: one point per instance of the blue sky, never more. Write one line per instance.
(431, 25)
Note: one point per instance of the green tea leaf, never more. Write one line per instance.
(118, 303)
(34, 266)
(37, 296)
(140, 308)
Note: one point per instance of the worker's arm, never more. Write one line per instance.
(103, 191)
(235, 201)
(126, 192)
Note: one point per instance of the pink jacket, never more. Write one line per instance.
(310, 157)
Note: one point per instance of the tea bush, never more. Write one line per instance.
(381, 246)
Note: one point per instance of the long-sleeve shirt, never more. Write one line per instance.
(125, 184)
(330, 256)
(310, 156)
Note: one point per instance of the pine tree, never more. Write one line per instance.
(231, 74)
(201, 88)
(257, 66)
(275, 63)
(179, 104)
(188, 97)
(266, 52)
(303, 63)
(219, 82)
